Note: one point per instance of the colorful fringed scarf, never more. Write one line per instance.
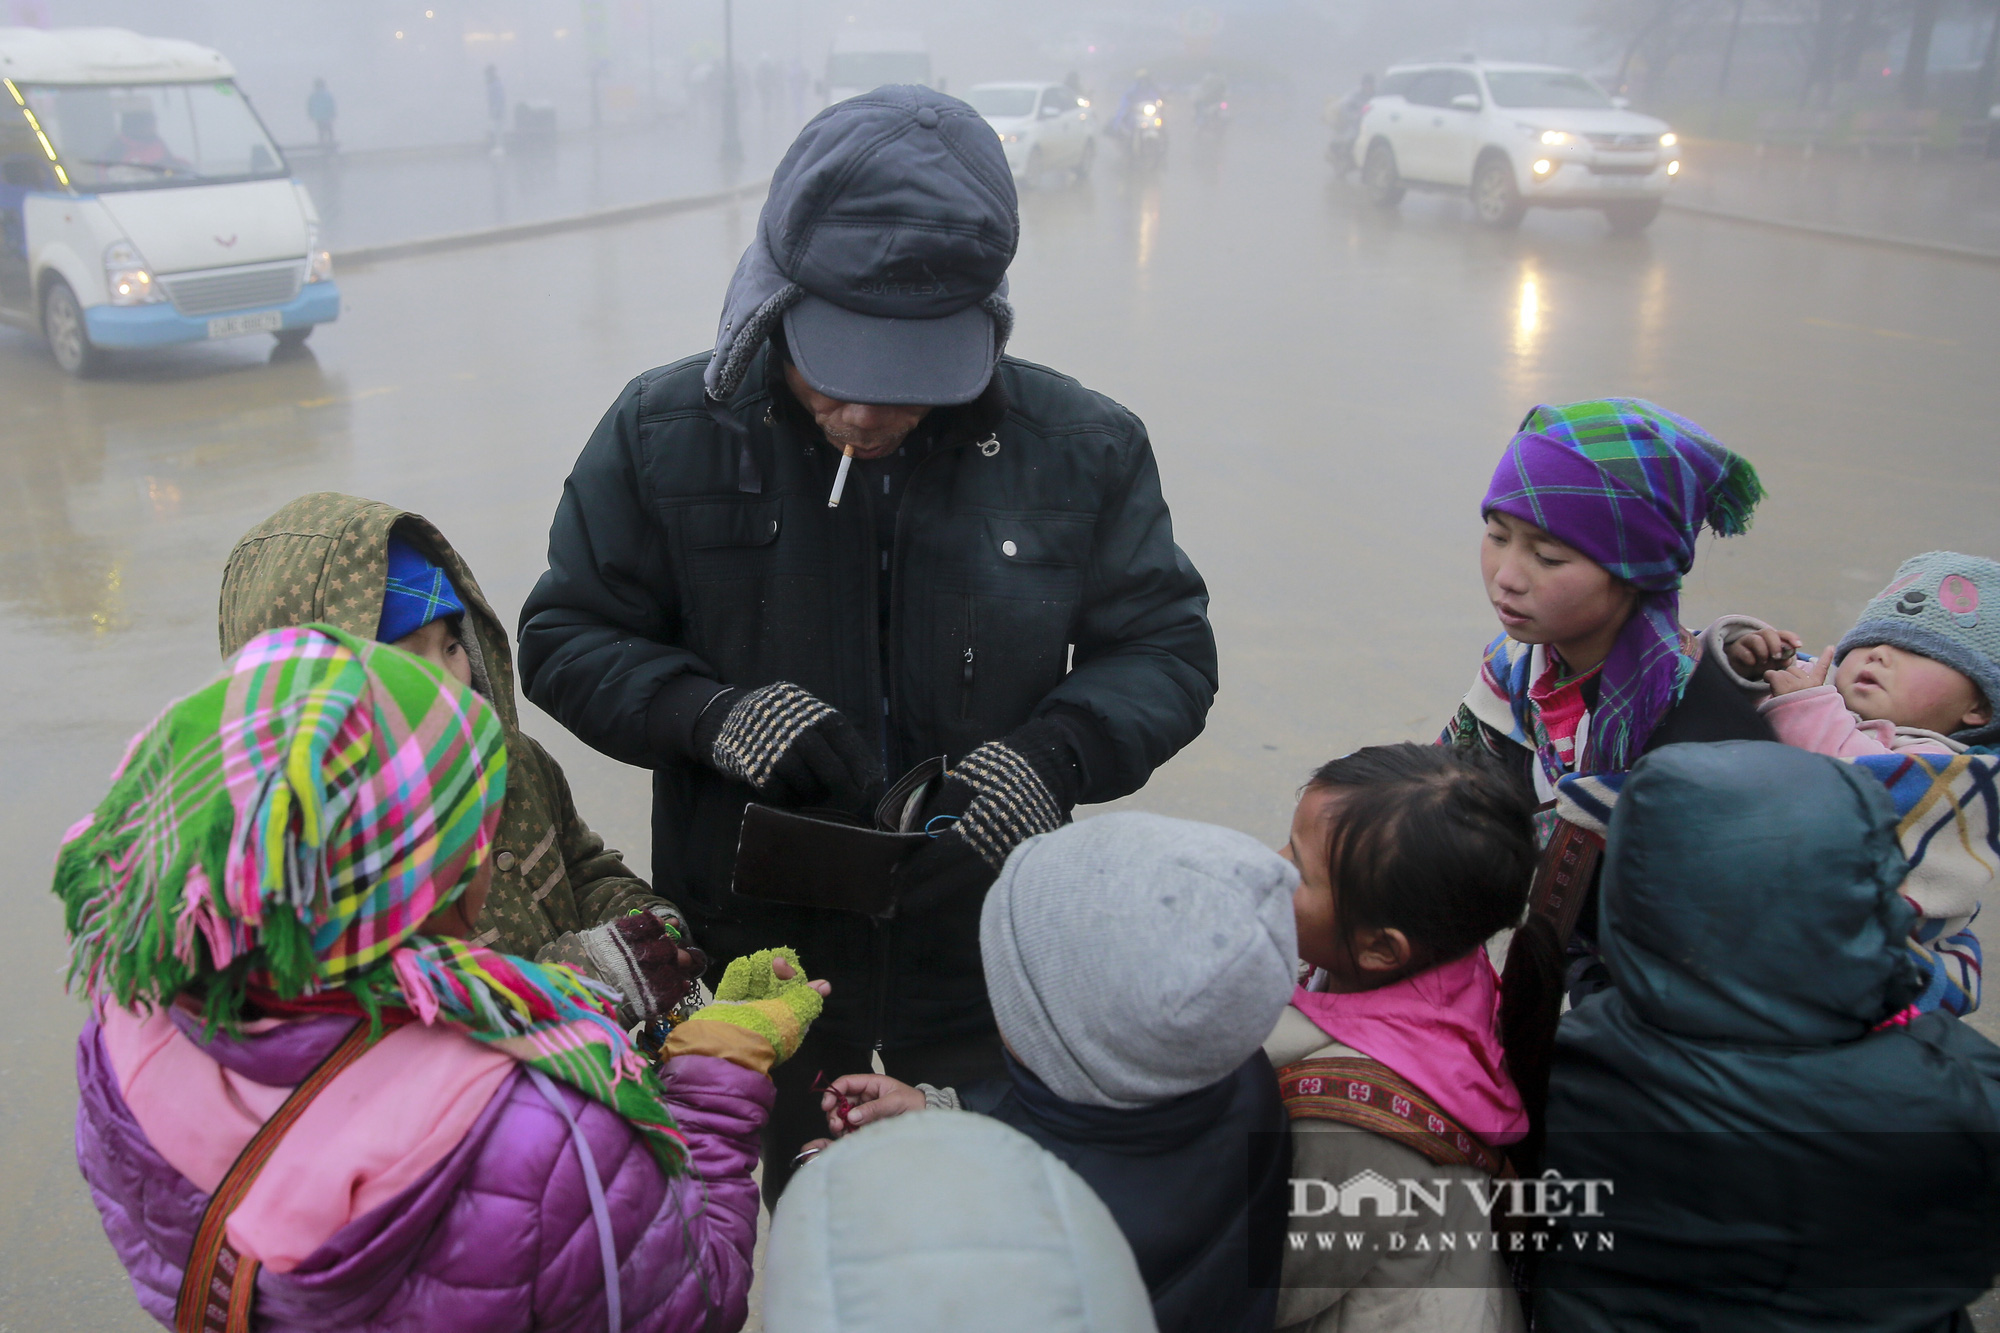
(286, 830)
(1631, 486)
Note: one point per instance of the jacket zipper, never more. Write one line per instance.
(965, 691)
(878, 945)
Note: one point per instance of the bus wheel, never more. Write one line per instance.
(68, 336)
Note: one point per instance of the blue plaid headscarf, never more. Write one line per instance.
(418, 593)
(1631, 486)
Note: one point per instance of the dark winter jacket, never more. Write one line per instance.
(1779, 1160)
(1190, 1181)
(1034, 570)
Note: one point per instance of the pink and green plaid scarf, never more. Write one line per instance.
(288, 828)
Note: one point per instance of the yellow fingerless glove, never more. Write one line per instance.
(757, 1020)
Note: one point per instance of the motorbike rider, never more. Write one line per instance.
(1211, 101)
(1142, 90)
(1346, 118)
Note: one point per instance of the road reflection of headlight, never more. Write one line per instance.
(1674, 167)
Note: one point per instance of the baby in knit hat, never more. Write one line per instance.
(1918, 674)
(1136, 964)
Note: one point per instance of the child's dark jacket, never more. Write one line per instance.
(1780, 1158)
(1194, 1183)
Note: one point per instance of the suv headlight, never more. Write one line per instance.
(319, 266)
(1669, 139)
(127, 278)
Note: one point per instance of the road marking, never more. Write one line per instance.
(1881, 333)
(350, 398)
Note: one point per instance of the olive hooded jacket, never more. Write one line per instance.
(324, 558)
(1787, 1148)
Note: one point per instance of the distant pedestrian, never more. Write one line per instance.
(496, 110)
(321, 109)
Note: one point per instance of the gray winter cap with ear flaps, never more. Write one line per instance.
(883, 246)
(1132, 958)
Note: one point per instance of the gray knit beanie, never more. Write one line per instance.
(1133, 958)
(1944, 606)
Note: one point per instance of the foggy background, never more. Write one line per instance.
(410, 73)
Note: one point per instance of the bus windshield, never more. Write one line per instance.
(147, 135)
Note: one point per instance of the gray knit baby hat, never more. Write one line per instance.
(1133, 958)
(1944, 606)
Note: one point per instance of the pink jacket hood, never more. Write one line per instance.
(1440, 1029)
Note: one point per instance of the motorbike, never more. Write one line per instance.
(1143, 131)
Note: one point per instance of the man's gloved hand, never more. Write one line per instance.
(761, 1013)
(991, 802)
(789, 745)
(646, 956)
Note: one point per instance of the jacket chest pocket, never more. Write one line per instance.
(1008, 611)
(756, 605)
(729, 539)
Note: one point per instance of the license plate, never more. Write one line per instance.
(262, 321)
(1623, 182)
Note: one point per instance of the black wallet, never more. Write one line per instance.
(822, 858)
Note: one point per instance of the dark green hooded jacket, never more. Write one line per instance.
(1779, 1160)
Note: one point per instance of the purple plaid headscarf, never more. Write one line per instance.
(1631, 486)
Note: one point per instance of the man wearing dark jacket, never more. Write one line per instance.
(999, 583)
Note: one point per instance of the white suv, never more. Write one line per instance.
(1514, 137)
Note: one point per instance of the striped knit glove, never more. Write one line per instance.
(789, 745)
(645, 956)
(992, 801)
(757, 1020)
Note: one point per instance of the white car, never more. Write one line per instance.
(1043, 127)
(1514, 137)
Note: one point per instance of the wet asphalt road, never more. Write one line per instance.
(1327, 388)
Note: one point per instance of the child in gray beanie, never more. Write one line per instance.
(1136, 964)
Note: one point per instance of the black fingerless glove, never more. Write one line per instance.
(789, 745)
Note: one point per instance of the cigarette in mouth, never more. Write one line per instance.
(840, 477)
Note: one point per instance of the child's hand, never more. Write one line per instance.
(1762, 651)
(869, 1097)
(1800, 675)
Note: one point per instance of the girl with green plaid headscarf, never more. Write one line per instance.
(275, 842)
(282, 875)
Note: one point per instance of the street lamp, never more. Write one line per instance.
(732, 140)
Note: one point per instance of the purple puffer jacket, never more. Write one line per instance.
(498, 1236)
